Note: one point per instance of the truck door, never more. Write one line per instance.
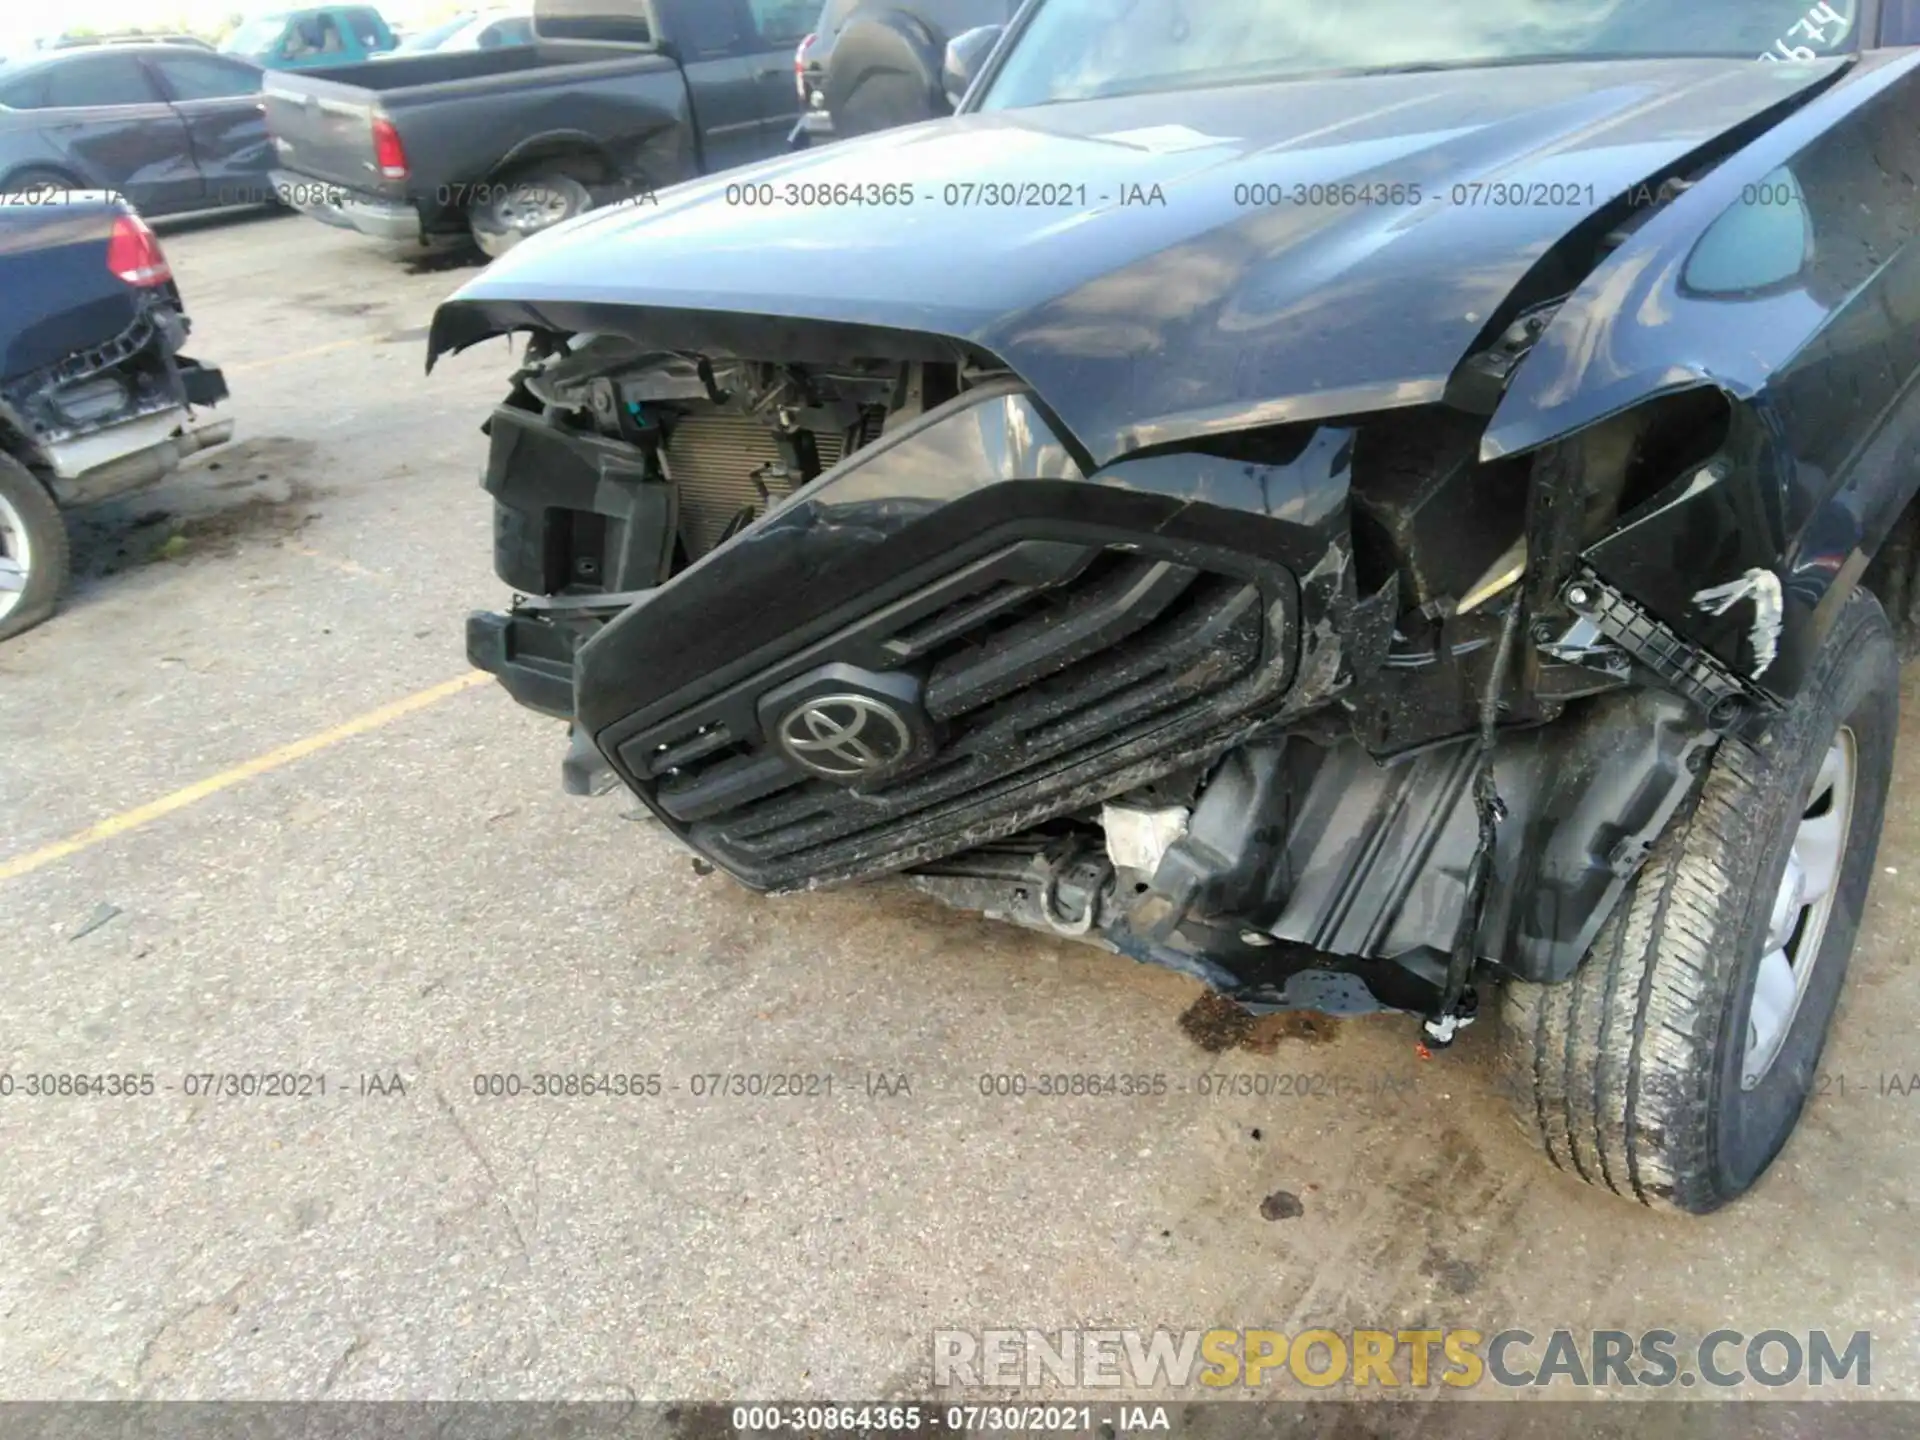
(715, 43)
(779, 27)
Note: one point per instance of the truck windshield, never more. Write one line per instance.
(1083, 49)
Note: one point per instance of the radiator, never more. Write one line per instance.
(712, 460)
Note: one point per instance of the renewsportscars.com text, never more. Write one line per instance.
(1318, 1359)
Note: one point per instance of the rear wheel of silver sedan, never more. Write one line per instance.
(33, 550)
(1673, 1066)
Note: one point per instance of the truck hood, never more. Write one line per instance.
(1111, 254)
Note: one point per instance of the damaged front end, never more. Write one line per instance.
(1327, 715)
(1343, 701)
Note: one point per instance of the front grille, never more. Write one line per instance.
(1038, 663)
(713, 461)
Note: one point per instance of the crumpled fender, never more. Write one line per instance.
(1814, 355)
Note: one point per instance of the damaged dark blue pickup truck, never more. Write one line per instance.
(1394, 506)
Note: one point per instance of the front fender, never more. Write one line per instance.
(1818, 362)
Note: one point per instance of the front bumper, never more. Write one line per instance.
(949, 654)
(346, 209)
(533, 661)
(1042, 639)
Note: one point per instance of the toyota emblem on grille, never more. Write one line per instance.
(846, 736)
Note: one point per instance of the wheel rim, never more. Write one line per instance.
(527, 208)
(1801, 908)
(16, 558)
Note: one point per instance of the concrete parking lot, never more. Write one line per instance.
(301, 842)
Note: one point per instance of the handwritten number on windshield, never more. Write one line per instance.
(1811, 26)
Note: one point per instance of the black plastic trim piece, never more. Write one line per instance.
(527, 657)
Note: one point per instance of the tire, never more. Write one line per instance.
(27, 182)
(523, 205)
(1635, 1074)
(29, 523)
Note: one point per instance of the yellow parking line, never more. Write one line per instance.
(245, 365)
(153, 810)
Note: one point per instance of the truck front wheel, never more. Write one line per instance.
(33, 550)
(507, 211)
(1674, 1064)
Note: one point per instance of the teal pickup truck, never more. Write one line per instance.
(318, 35)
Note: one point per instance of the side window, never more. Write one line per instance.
(783, 22)
(314, 35)
(367, 28)
(205, 77)
(713, 28)
(96, 80)
(29, 92)
(602, 21)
